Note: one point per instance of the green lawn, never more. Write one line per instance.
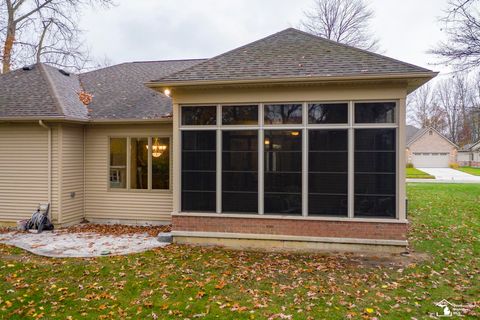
(470, 170)
(183, 282)
(414, 173)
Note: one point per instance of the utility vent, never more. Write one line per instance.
(65, 73)
(28, 68)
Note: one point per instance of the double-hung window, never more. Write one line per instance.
(140, 163)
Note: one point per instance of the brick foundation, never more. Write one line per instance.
(292, 227)
(474, 164)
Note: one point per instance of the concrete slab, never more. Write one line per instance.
(80, 245)
(449, 175)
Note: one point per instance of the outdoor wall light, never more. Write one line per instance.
(167, 92)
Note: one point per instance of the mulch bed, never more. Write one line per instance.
(116, 229)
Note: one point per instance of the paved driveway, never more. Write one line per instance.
(450, 175)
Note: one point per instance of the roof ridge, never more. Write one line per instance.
(51, 87)
(131, 62)
(168, 60)
(225, 53)
(357, 49)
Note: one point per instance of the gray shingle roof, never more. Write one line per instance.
(291, 54)
(119, 91)
(411, 132)
(39, 93)
(66, 89)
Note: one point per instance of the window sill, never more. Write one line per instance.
(169, 191)
(286, 217)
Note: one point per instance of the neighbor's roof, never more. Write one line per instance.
(119, 92)
(42, 92)
(291, 54)
(471, 146)
(411, 131)
(422, 131)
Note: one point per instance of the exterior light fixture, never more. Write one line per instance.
(158, 149)
(167, 92)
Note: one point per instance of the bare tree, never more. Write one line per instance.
(462, 26)
(424, 110)
(344, 21)
(43, 30)
(448, 100)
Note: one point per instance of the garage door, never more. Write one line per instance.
(430, 160)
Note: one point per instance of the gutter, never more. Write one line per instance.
(313, 79)
(42, 124)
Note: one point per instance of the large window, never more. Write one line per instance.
(328, 172)
(139, 163)
(375, 112)
(145, 167)
(118, 163)
(240, 115)
(375, 168)
(318, 159)
(328, 113)
(240, 171)
(199, 171)
(283, 113)
(283, 172)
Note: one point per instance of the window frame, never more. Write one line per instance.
(150, 138)
(304, 128)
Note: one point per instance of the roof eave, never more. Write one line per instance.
(316, 79)
(48, 118)
(127, 120)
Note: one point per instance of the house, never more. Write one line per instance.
(428, 148)
(290, 141)
(469, 155)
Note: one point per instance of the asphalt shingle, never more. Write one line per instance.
(27, 93)
(291, 54)
(119, 91)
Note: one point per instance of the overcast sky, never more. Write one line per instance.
(138, 30)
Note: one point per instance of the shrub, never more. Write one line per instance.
(410, 165)
(454, 165)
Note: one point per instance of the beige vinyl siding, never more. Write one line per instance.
(54, 206)
(71, 167)
(23, 170)
(114, 205)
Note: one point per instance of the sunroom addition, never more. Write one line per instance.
(310, 159)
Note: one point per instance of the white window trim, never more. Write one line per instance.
(150, 139)
(303, 127)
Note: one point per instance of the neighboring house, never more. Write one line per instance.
(428, 148)
(469, 155)
(290, 141)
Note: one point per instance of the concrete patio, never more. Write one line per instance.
(62, 244)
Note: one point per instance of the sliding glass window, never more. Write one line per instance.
(328, 173)
(199, 171)
(283, 172)
(240, 171)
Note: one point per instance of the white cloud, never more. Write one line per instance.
(177, 29)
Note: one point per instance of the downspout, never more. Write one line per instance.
(84, 173)
(42, 124)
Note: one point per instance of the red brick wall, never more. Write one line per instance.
(292, 227)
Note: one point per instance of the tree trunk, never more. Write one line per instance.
(9, 41)
(40, 42)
